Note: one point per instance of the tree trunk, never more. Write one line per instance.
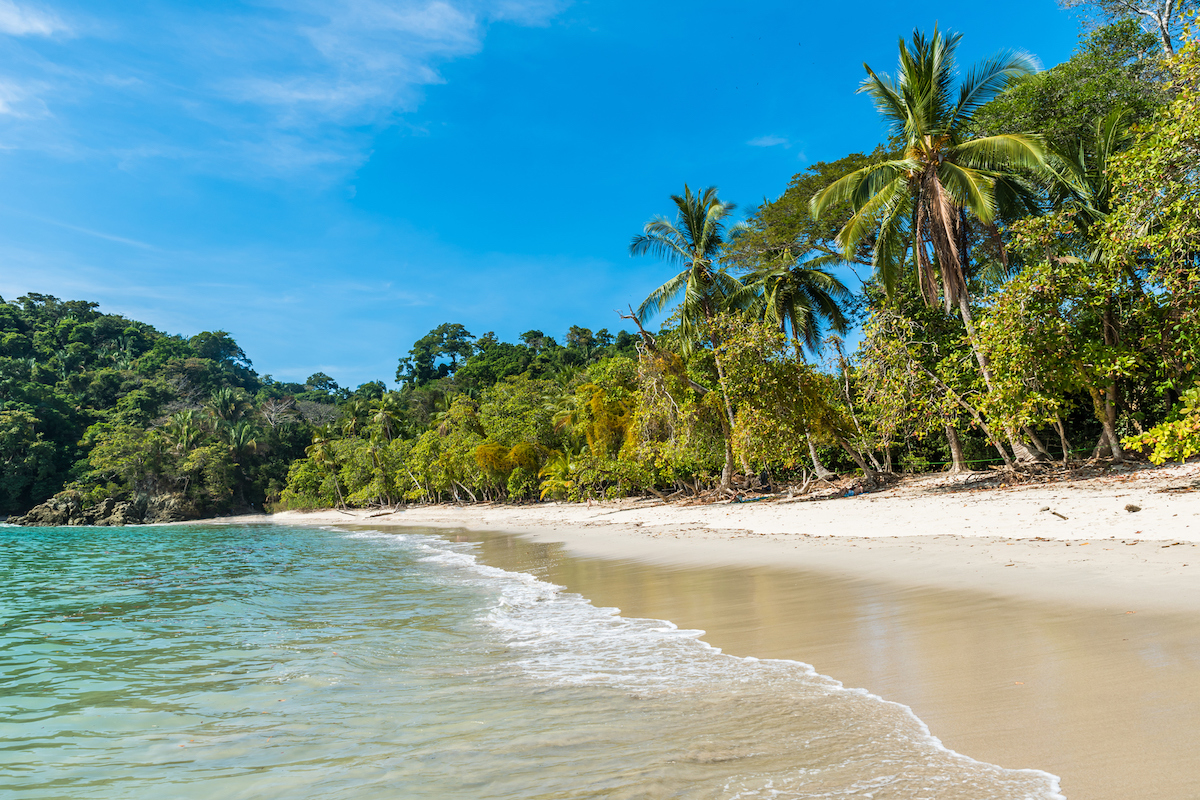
(970, 409)
(1020, 449)
(727, 473)
(1110, 424)
(959, 464)
(870, 474)
(1033, 437)
(337, 485)
(1062, 437)
(819, 468)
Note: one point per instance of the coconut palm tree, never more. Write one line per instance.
(228, 405)
(703, 287)
(387, 412)
(803, 300)
(184, 431)
(322, 452)
(946, 183)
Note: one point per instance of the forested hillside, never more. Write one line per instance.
(111, 408)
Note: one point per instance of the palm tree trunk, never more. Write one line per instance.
(338, 486)
(1031, 434)
(1020, 450)
(956, 453)
(821, 471)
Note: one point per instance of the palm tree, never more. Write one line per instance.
(322, 452)
(946, 182)
(1081, 179)
(802, 299)
(387, 412)
(228, 405)
(242, 439)
(694, 241)
(184, 431)
(355, 413)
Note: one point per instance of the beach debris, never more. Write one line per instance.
(1131, 508)
(1044, 508)
(1060, 516)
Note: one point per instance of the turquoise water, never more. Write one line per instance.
(265, 661)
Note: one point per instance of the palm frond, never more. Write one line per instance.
(987, 79)
(1006, 151)
(662, 296)
(969, 189)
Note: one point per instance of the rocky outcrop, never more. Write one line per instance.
(169, 508)
(58, 510)
(66, 508)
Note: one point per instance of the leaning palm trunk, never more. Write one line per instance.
(1020, 450)
(852, 451)
(820, 469)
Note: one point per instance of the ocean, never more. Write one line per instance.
(227, 661)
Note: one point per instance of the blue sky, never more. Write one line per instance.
(329, 179)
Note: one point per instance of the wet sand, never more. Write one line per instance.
(1107, 700)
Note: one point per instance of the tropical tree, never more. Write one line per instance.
(323, 452)
(946, 186)
(387, 412)
(802, 300)
(694, 241)
(184, 431)
(228, 405)
(1083, 187)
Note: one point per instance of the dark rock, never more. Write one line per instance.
(170, 508)
(58, 510)
(105, 509)
(125, 513)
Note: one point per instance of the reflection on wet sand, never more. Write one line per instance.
(1108, 701)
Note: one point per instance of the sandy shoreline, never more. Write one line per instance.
(1086, 549)
(1063, 640)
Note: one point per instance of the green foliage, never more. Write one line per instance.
(1116, 67)
(1177, 439)
(1156, 221)
(114, 408)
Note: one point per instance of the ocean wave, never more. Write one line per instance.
(868, 746)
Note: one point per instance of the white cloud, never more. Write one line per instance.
(275, 88)
(25, 21)
(19, 100)
(769, 141)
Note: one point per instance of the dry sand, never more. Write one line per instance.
(1065, 639)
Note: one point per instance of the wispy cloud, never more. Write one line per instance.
(769, 141)
(25, 20)
(280, 87)
(78, 229)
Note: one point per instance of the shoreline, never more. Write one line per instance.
(1086, 549)
(1019, 637)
